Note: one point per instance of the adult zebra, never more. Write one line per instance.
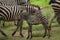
(11, 13)
(56, 7)
(21, 21)
(19, 2)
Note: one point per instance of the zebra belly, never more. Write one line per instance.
(34, 20)
(8, 19)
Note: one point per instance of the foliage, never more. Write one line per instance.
(41, 3)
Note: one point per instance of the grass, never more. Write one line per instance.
(37, 34)
(41, 3)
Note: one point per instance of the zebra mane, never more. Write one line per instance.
(35, 6)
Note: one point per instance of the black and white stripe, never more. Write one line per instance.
(32, 8)
(56, 7)
(9, 12)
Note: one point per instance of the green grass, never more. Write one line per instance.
(41, 3)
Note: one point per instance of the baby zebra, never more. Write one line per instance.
(40, 19)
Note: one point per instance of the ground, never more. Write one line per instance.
(37, 34)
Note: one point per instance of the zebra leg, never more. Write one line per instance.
(49, 25)
(3, 33)
(58, 20)
(21, 31)
(18, 25)
(45, 27)
(21, 23)
(51, 19)
(29, 31)
(3, 23)
(15, 31)
(16, 28)
(49, 29)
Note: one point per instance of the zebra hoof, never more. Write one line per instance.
(44, 36)
(21, 35)
(13, 34)
(27, 37)
(30, 37)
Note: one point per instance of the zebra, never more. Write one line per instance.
(11, 13)
(56, 7)
(34, 10)
(19, 2)
(41, 20)
(20, 21)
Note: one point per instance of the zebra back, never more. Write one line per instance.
(56, 6)
(9, 2)
(9, 12)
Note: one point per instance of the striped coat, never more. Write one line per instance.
(56, 7)
(9, 13)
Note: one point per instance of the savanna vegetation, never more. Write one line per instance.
(37, 29)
